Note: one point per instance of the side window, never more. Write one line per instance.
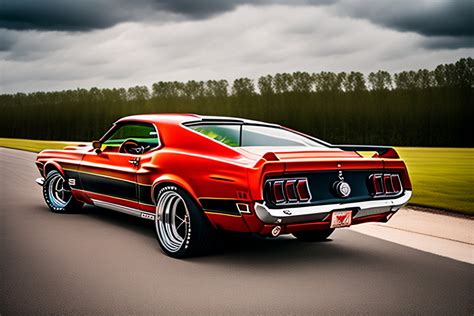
(144, 134)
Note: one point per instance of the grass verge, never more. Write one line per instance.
(34, 145)
(441, 177)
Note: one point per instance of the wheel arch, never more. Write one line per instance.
(165, 180)
(52, 165)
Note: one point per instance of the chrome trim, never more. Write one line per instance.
(58, 196)
(342, 188)
(293, 203)
(245, 208)
(400, 184)
(384, 194)
(40, 181)
(123, 209)
(134, 161)
(168, 222)
(314, 212)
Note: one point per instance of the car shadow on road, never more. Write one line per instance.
(125, 221)
(240, 249)
(278, 252)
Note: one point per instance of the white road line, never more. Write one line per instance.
(461, 251)
(430, 235)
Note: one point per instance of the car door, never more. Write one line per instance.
(109, 177)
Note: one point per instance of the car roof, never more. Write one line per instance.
(179, 118)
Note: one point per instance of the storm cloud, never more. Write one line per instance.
(61, 15)
(62, 44)
(86, 15)
(436, 19)
(429, 18)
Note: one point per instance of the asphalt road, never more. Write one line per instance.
(101, 262)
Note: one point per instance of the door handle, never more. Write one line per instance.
(134, 161)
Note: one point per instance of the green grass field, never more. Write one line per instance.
(441, 177)
(34, 145)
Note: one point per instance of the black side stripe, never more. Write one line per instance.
(129, 191)
(144, 194)
(220, 206)
(112, 187)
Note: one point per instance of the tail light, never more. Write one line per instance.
(396, 183)
(289, 191)
(377, 184)
(278, 194)
(385, 184)
(303, 190)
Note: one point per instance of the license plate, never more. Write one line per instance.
(341, 219)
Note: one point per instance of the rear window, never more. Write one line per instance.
(245, 135)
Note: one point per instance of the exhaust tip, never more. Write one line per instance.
(276, 231)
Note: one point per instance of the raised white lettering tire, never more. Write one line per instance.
(182, 229)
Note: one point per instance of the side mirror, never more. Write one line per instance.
(97, 145)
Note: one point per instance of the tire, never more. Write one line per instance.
(181, 227)
(57, 194)
(314, 235)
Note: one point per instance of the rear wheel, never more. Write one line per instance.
(314, 235)
(181, 227)
(57, 194)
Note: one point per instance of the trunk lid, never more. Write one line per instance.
(300, 159)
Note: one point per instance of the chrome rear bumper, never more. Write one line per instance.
(319, 212)
(40, 181)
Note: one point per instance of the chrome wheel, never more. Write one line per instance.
(58, 191)
(172, 221)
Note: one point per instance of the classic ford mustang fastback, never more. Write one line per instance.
(197, 175)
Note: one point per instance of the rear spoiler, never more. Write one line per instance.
(381, 151)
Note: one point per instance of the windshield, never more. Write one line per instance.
(245, 135)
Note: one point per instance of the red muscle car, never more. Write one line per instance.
(195, 175)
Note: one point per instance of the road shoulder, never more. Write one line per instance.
(440, 234)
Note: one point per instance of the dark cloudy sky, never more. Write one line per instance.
(65, 44)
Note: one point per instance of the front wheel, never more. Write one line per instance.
(57, 194)
(314, 235)
(181, 227)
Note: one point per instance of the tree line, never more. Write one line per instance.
(409, 108)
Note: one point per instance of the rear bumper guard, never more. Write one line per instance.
(320, 212)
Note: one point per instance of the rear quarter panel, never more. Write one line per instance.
(209, 180)
(201, 176)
